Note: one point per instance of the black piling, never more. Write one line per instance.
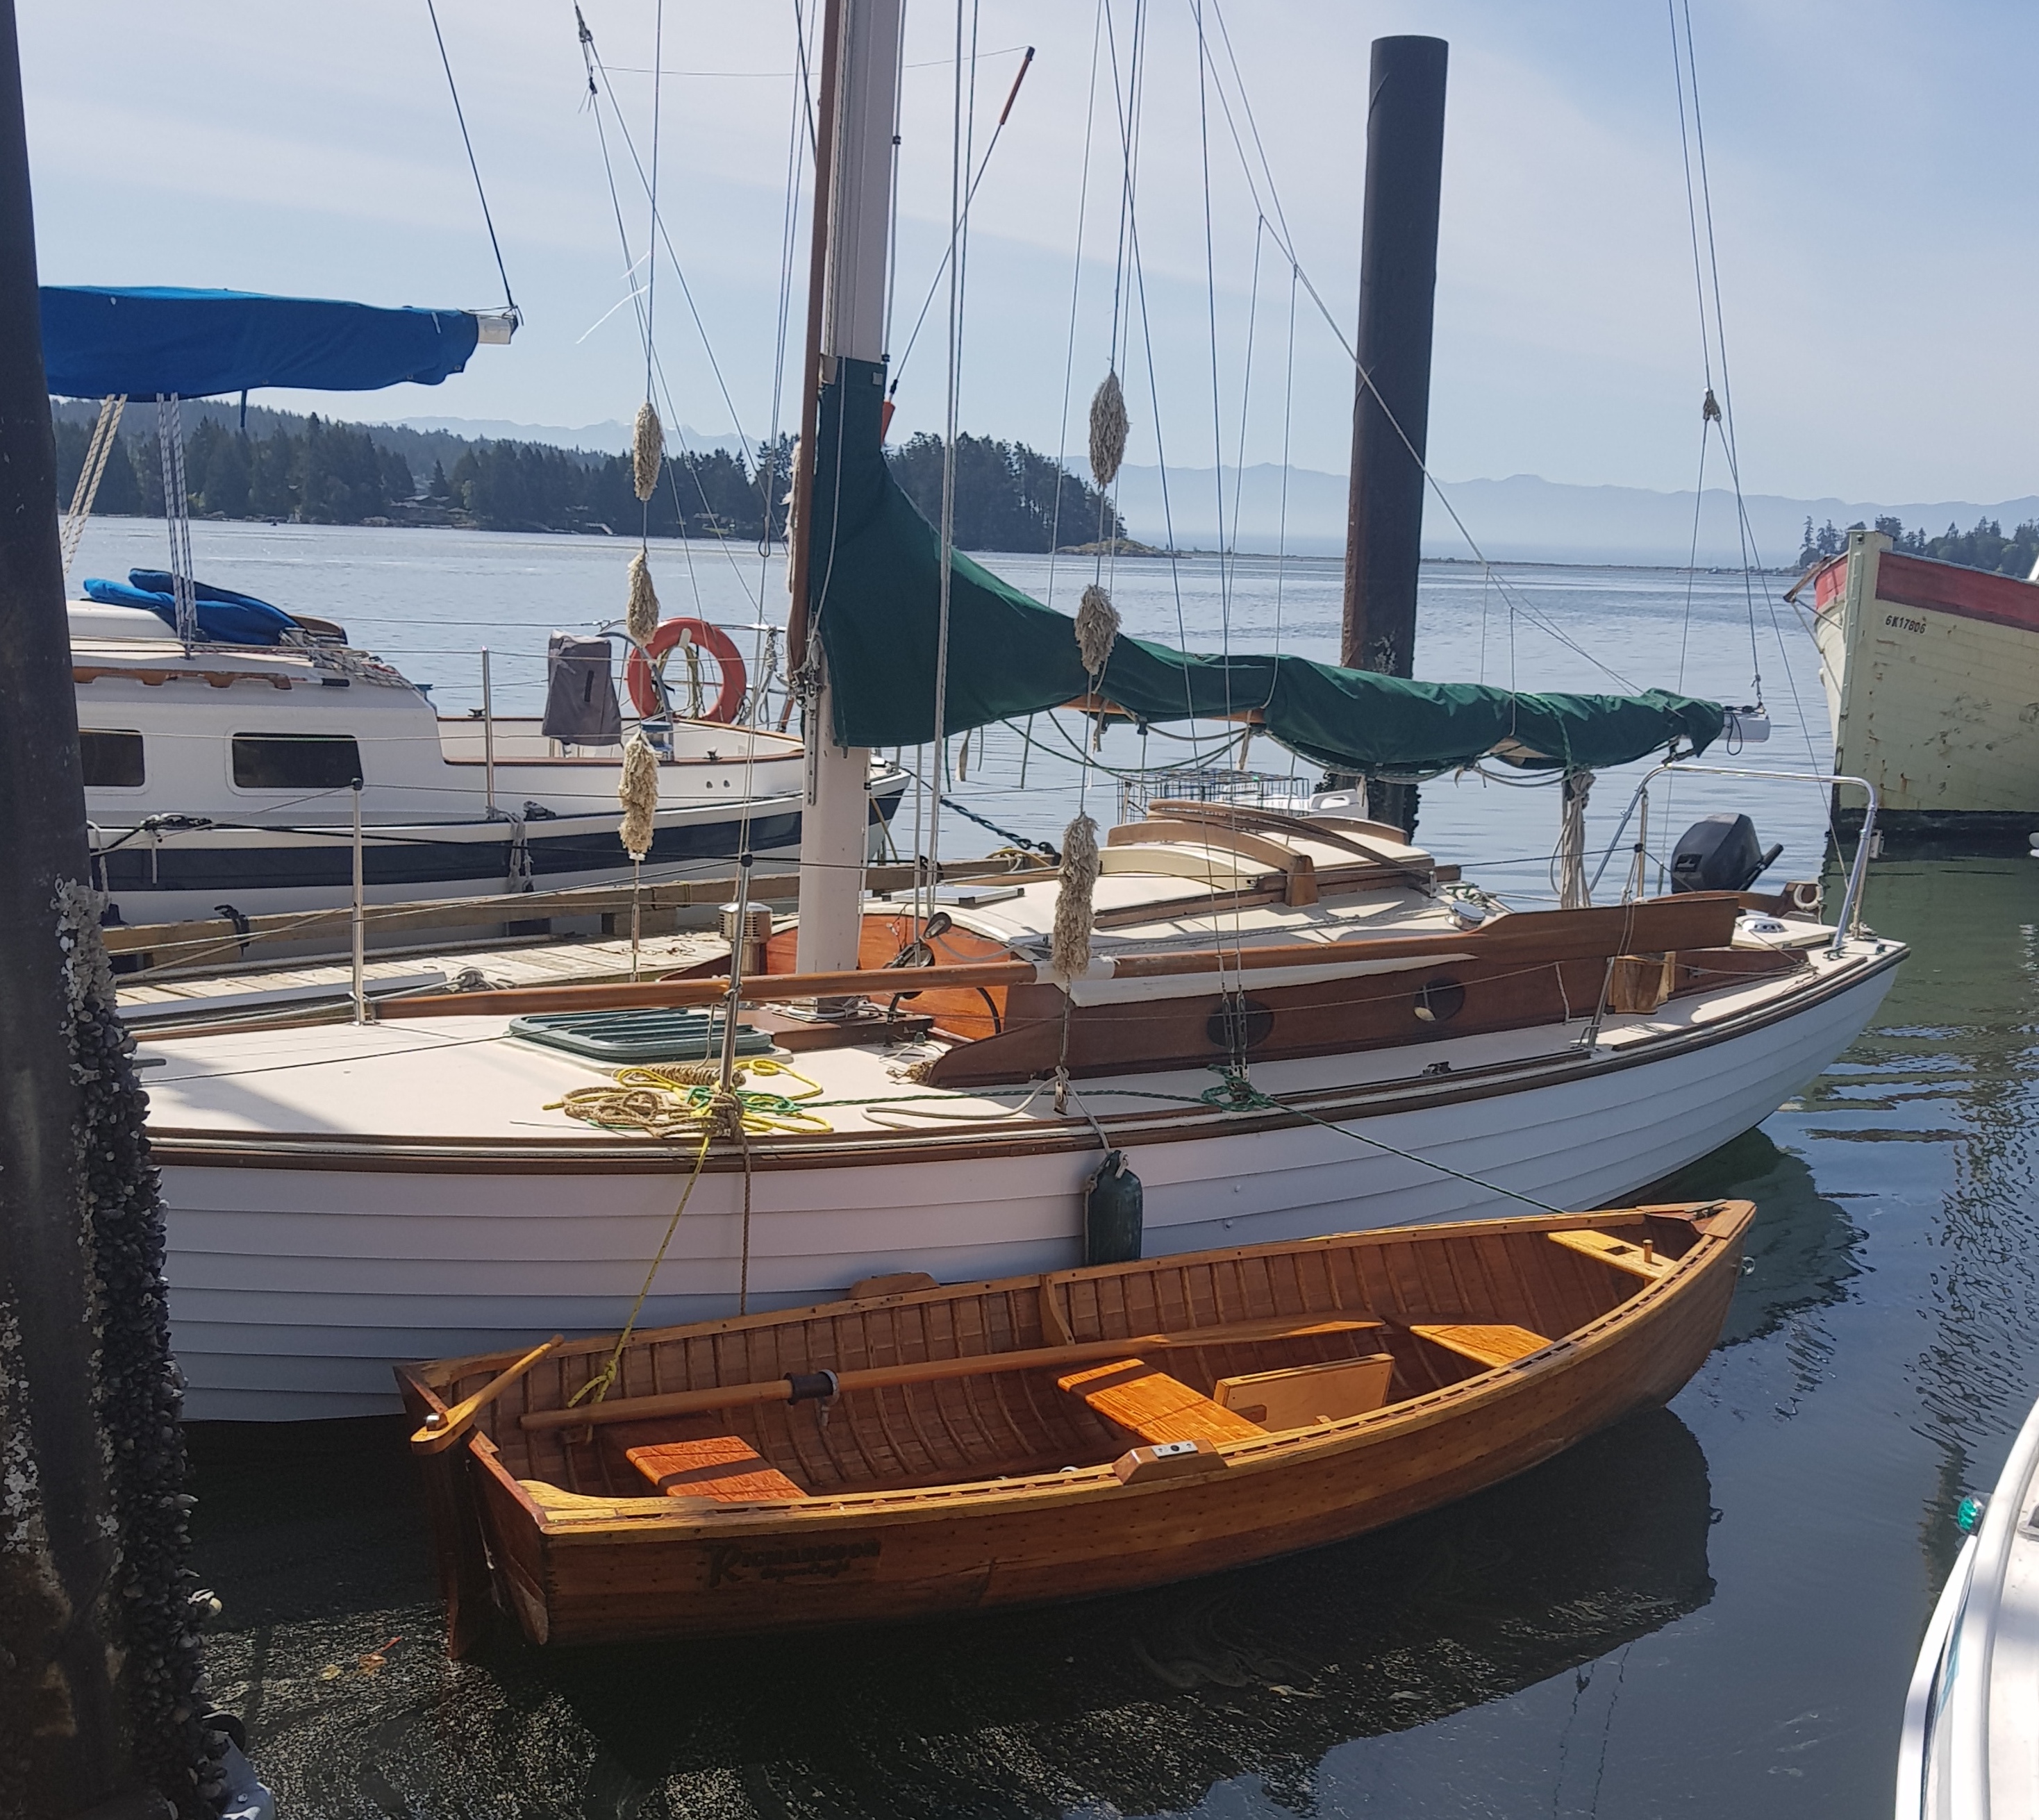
(1398, 283)
(99, 1665)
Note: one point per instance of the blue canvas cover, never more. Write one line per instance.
(224, 617)
(157, 341)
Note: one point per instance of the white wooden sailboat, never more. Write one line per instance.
(1288, 1025)
(344, 1196)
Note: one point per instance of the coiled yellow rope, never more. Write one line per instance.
(686, 1096)
(682, 1097)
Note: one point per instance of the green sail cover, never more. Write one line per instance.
(875, 597)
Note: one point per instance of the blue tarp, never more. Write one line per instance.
(157, 341)
(224, 617)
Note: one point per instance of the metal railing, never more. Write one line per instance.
(1249, 789)
(1848, 922)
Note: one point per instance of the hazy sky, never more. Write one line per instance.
(1872, 165)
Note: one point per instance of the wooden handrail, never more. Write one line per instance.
(1651, 926)
(1094, 704)
(1693, 919)
(1332, 831)
(464, 913)
(934, 1371)
(675, 994)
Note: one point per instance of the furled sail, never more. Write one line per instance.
(875, 592)
(159, 341)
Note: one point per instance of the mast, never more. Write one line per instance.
(1398, 283)
(853, 155)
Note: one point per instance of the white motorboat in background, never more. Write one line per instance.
(218, 780)
(1970, 1745)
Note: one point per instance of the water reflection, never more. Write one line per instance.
(1137, 1703)
(1951, 1067)
(1800, 1252)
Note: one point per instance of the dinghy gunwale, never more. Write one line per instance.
(616, 1569)
(1718, 1228)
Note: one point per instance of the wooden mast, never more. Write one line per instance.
(1398, 282)
(853, 158)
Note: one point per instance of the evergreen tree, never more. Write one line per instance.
(226, 478)
(1007, 496)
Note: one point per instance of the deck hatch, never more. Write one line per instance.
(637, 1036)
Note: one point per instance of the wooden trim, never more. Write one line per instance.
(1298, 870)
(499, 907)
(761, 989)
(1948, 588)
(570, 1565)
(1183, 832)
(1692, 919)
(154, 678)
(1094, 704)
(1332, 831)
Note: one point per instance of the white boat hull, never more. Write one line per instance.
(1931, 674)
(1969, 1749)
(295, 1282)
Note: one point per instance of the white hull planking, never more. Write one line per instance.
(292, 1291)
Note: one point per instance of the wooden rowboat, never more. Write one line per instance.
(919, 1450)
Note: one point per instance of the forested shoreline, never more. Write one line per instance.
(320, 470)
(1986, 546)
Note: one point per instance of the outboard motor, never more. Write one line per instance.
(1720, 853)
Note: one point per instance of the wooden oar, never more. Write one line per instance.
(928, 1371)
(441, 1429)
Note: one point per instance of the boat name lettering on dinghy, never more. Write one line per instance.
(729, 1565)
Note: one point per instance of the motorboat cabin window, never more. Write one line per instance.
(110, 760)
(295, 761)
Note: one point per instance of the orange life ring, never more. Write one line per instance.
(736, 683)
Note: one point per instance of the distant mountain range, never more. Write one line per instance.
(609, 437)
(1522, 519)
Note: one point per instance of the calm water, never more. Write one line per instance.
(1712, 1609)
(429, 600)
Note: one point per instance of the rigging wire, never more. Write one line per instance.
(660, 233)
(948, 252)
(640, 297)
(1700, 208)
(961, 124)
(1076, 290)
(651, 268)
(1131, 112)
(459, 114)
(1517, 604)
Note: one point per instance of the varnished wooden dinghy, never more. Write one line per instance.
(934, 1450)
